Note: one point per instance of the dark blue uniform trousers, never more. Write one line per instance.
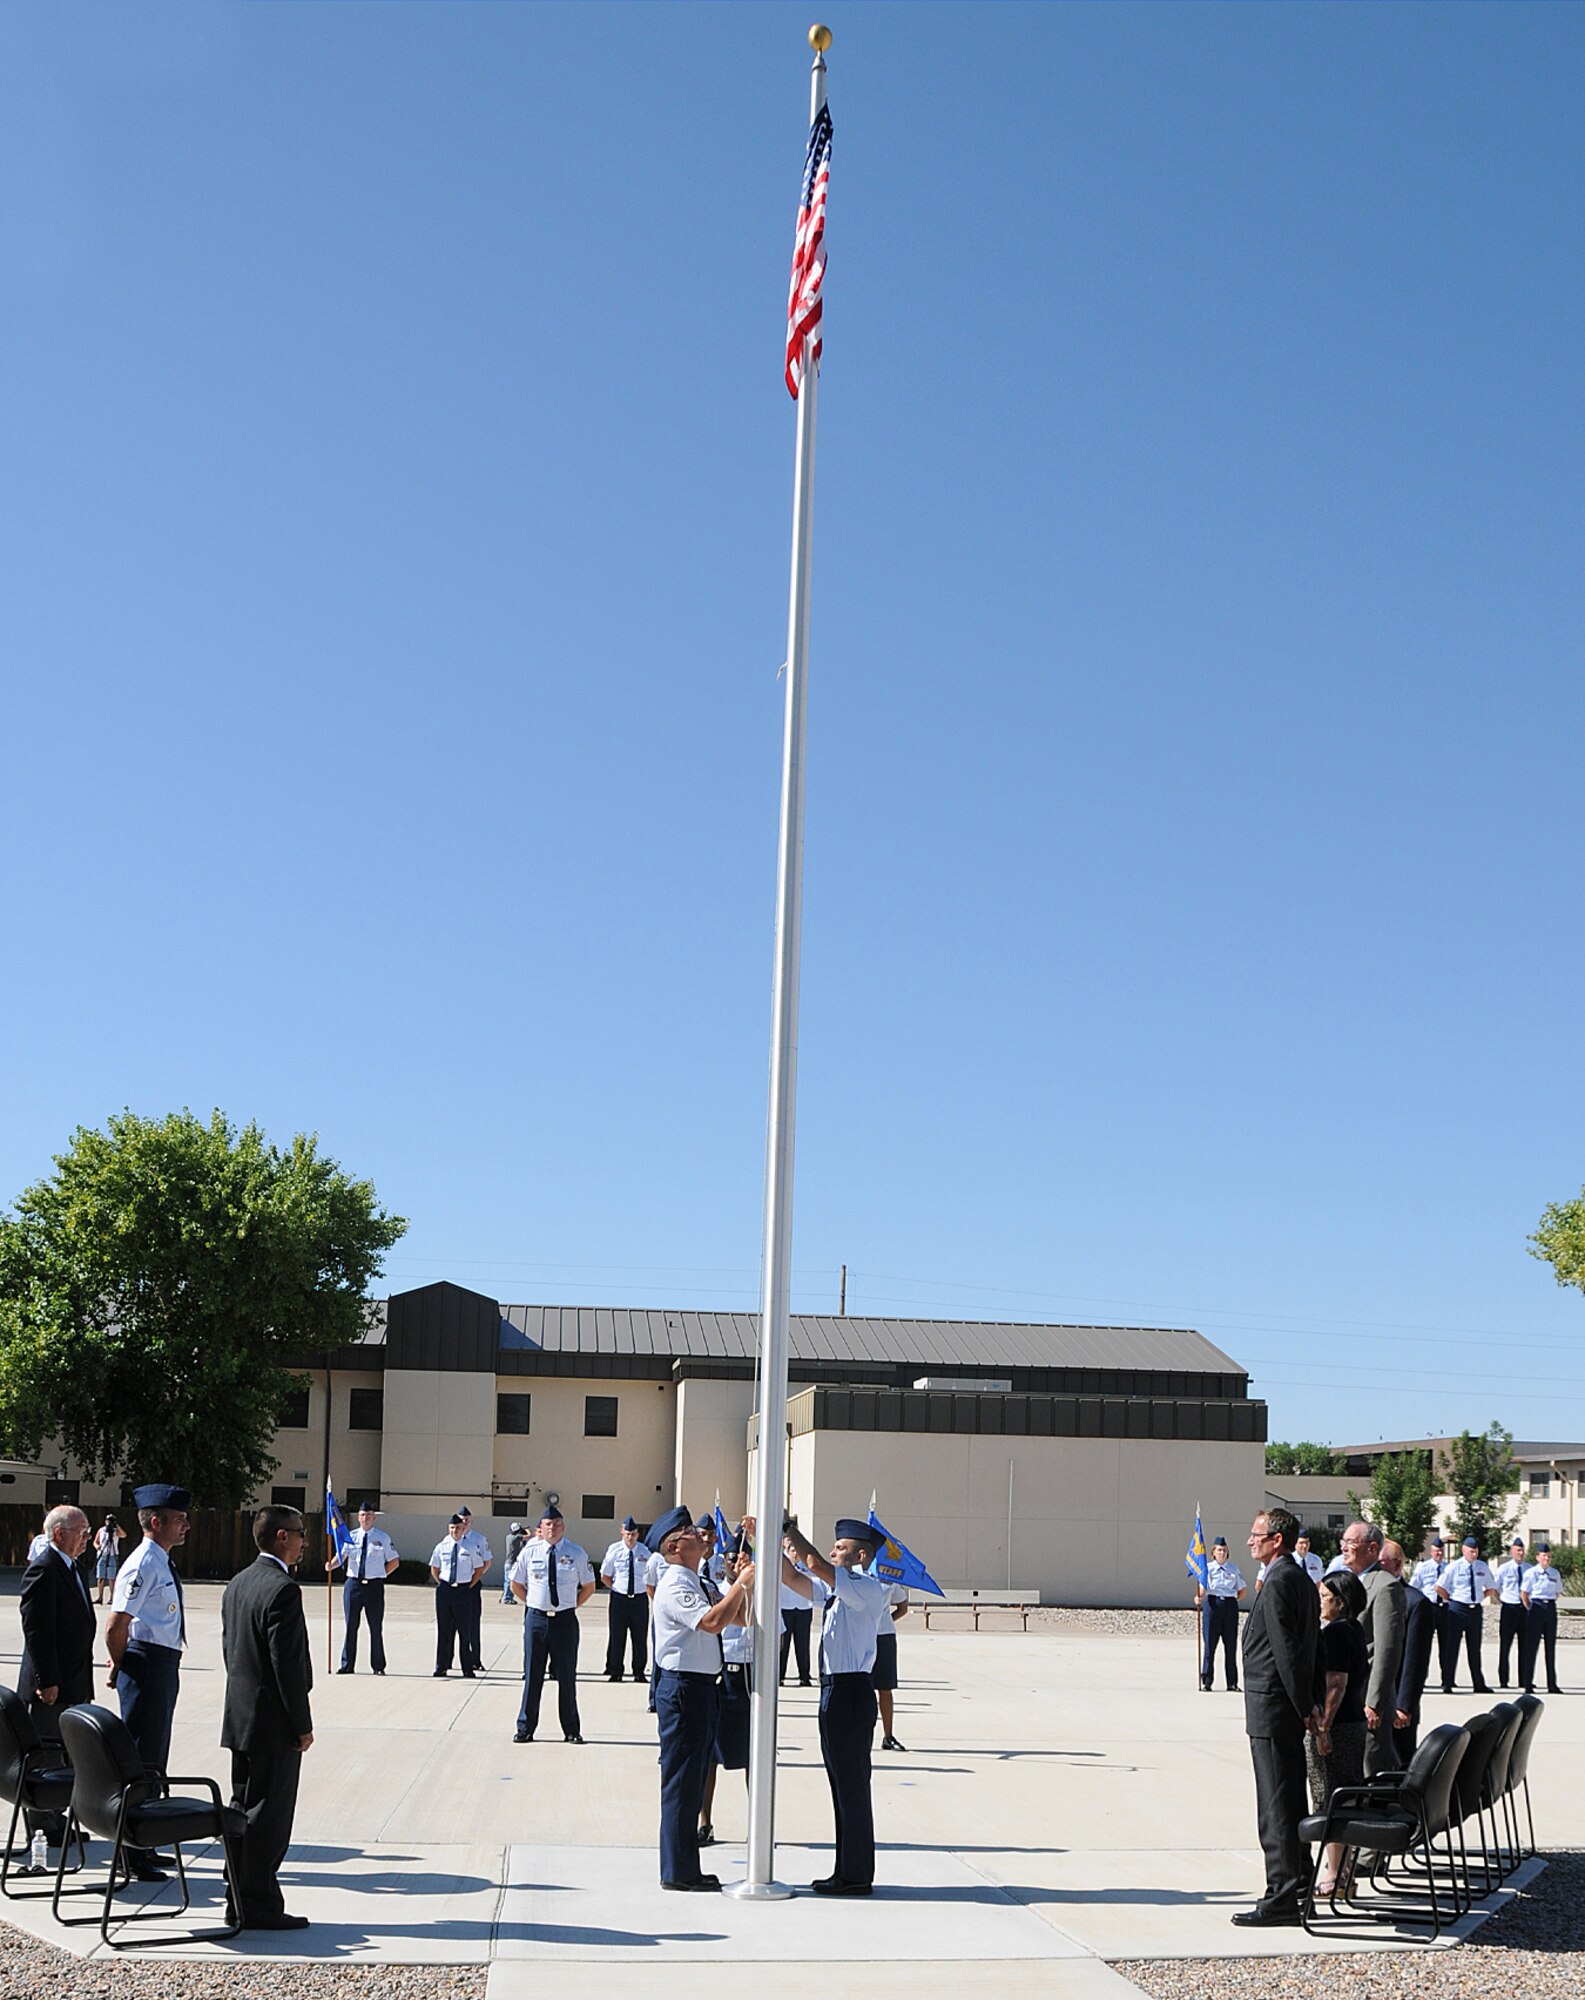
(1540, 1629)
(1219, 1627)
(1463, 1628)
(1510, 1633)
(627, 1623)
(147, 1687)
(364, 1600)
(688, 1707)
(550, 1641)
(847, 1729)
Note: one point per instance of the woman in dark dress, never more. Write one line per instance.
(1335, 1748)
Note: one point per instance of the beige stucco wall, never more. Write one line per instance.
(439, 1430)
(356, 1457)
(712, 1426)
(1094, 1520)
(636, 1466)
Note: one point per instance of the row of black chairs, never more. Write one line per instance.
(1461, 1787)
(103, 1788)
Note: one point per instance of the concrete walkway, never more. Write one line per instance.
(1065, 1799)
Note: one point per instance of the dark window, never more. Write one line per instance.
(361, 1496)
(294, 1412)
(510, 1507)
(511, 1415)
(599, 1416)
(366, 1410)
(61, 1493)
(599, 1507)
(289, 1496)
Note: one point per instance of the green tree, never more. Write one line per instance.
(1302, 1458)
(1483, 1476)
(1560, 1241)
(155, 1289)
(1401, 1500)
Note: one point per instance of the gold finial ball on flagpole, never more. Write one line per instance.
(819, 38)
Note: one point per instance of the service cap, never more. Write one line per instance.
(1472, 1541)
(850, 1530)
(668, 1524)
(159, 1496)
(628, 1522)
(552, 1512)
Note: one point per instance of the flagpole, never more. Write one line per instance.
(776, 1272)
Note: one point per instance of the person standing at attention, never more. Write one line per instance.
(627, 1615)
(1280, 1642)
(145, 1634)
(370, 1557)
(266, 1724)
(453, 1565)
(852, 1605)
(1510, 1607)
(552, 1579)
(1218, 1602)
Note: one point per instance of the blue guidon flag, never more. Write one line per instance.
(723, 1534)
(896, 1564)
(1196, 1562)
(337, 1533)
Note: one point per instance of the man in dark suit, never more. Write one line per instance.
(1419, 1631)
(58, 1631)
(1280, 1638)
(266, 1724)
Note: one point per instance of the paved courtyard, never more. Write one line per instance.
(1067, 1798)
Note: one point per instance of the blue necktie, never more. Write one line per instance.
(555, 1599)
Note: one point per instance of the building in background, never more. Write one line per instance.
(1062, 1461)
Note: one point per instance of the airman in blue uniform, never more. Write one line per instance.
(1541, 1589)
(146, 1632)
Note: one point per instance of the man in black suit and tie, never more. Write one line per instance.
(58, 1631)
(1419, 1630)
(1280, 1638)
(266, 1724)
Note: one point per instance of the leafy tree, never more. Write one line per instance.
(1302, 1458)
(155, 1289)
(1560, 1241)
(1482, 1476)
(1401, 1500)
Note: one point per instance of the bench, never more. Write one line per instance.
(977, 1601)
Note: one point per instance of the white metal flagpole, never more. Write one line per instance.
(776, 1273)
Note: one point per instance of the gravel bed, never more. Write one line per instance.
(1074, 1618)
(30, 1970)
(1534, 1949)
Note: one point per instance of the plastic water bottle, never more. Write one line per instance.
(38, 1853)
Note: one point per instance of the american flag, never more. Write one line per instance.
(809, 263)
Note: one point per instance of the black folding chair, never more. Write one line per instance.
(35, 1777)
(1529, 1707)
(1498, 1799)
(114, 1797)
(1399, 1815)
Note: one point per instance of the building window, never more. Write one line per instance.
(289, 1496)
(366, 1410)
(1540, 1486)
(599, 1416)
(511, 1415)
(62, 1493)
(362, 1496)
(294, 1412)
(599, 1507)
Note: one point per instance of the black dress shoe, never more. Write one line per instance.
(706, 1837)
(439, 1674)
(705, 1882)
(1206, 1688)
(343, 1670)
(614, 1677)
(891, 1743)
(1264, 1915)
(637, 1677)
(468, 1674)
(524, 1736)
(379, 1673)
(284, 1922)
(573, 1738)
(145, 1871)
(830, 1885)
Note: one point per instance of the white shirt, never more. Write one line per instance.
(483, 1554)
(654, 1570)
(1427, 1574)
(1467, 1582)
(614, 1567)
(456, 1562)
(381, 1550)
(532, 1570)
(1510, 1579)
(1311, 1564)
(682, 1599)
(1224, 1580)
(1338, 1562)
(849, 1619)
(1543, 1586)
(146, 1587)
(38, 1545)
(788, 1598)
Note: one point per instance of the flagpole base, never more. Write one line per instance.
(759, 1892)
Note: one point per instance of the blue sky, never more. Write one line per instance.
(394, 551)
